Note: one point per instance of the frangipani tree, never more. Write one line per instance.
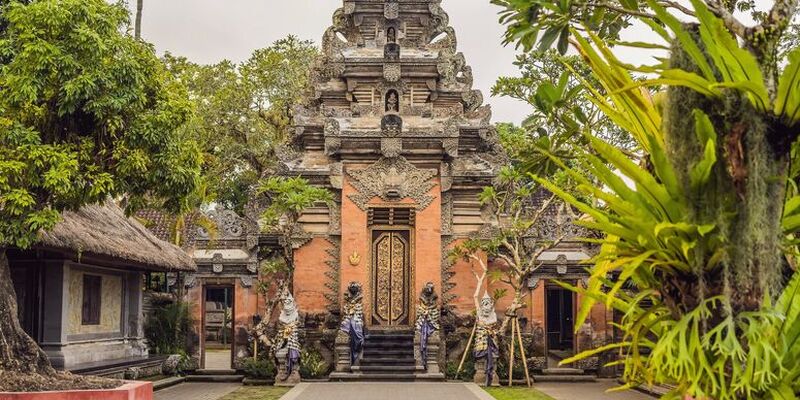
(701, 229)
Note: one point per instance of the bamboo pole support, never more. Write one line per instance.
(466, 350)
(522, 351)
(511, 360)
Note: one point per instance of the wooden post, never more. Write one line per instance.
(466, 350)
(511, 359)
(522, 352)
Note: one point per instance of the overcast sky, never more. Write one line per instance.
(207, 31)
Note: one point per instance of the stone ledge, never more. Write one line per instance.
(130, 390)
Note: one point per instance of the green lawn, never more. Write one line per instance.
(257, 393)
(517, 394)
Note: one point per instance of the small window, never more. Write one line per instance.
(92, 288)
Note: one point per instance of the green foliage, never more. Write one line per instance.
(467, 371)
(663, 249)
(288, 198)
(168, 328)
(87, 112)
(258, 369)
(312, 364)
(517, 394)
(245, 112)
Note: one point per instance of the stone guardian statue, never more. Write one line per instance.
(350, 340)
(427, 338)
(287, 343)
(487, 349)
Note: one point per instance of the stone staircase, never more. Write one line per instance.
(564, 375)
(215, 376)
(388, 356)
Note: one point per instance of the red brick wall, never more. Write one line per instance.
(310, 263)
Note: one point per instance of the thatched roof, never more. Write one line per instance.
(104, 230)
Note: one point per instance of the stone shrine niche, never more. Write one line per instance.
(391, 52)
(391, 35)
(392, 104)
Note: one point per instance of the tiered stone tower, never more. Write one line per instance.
(396, 130)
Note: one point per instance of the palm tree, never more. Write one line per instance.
(138, 27)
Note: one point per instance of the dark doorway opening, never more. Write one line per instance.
(560, 321)
(218, 314)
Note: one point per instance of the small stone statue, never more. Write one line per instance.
(427, 320)
(486, 348)
(287, 343)
(391, 35)
(392, 102)
(353, 320)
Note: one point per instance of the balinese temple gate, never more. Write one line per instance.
(395, 130)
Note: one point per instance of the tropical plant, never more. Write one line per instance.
(168, 327)
(312, 364)
(258, 368)
(688, 233)
(86, 113)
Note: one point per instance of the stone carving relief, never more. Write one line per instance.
(333, 273)
(216, 263)
(391, 147)
(391, 10)
(472, 100)
(335, 215)
(229, 225)
(392, 72)
(392, 179)
(391, 125)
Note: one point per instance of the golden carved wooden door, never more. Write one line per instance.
(390, 277)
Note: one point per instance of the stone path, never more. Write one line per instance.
(196, 391)
(218, 359)
(387, 391)
(588, 391)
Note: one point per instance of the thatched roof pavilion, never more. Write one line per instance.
(103, 230)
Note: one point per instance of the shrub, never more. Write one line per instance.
(168, 328)
(312, 364)
(467, 371)
(258, 369)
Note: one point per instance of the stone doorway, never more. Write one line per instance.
(391, 277)
(560, 320)
(218, 339)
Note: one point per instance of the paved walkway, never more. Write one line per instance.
(196, 391)
(588, 391)
(387, 391)
(218, 359)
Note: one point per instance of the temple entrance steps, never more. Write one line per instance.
(217, 376)
(564, 375)
(388, 356)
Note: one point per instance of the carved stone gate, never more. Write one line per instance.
(391, 271)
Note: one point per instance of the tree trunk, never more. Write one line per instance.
(138, 26)
(18, 352)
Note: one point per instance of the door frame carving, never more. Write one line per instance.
(411, 275)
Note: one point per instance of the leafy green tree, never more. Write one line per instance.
(555, 87)
(86, 113)
(286, 199)
(245, 112)
(700, 233)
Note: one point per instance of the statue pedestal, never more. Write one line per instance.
(283, 378)
(480, 374)
(431, 363)
(342, 350)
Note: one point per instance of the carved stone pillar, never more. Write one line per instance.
(283, 377)
(342, 350)
(431, 364)
(480, 373)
